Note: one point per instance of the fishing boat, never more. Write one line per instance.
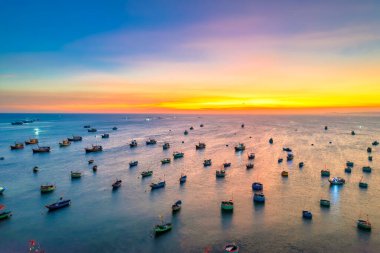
(271, 141)
(324, 203)
(259, 197)
(133, 144)
(231, 247)
(186, 132)
(105, 136)
(240, 147)
(4, 214)
(92, 130)
(367, 169)
(47, 188)
(249, 166)
(353, 133)
(182, 179)
(256, 186)
(226, 165)
(325, 173)
(364, 224)
(151, 142)
(147, 173)
(307, 215)
(117, 184)
(177, 206)
(363, 184)
(17, 123)
(94, 148)
(133, 163)
(286, 149)
(242, 125)
(75, 138)
(207, 162)
(31, 141)
(2, 189)
(158, 185)
(375, 143)
(220, 173)
(349, 164)
(369, 150)
(114, 128)
(326, 128)
(289, 157)
(337, 181)
(280, 160)
(166, 146)
(64, 143)
(251, 156)
(162, 228)
(76, 174)
(200, 145)
(61, 203)
(91, 161)
(95, 168)
(201, 125)
(227, 205)
(284, 173)
(177, 155)
(191, 128)
(86, 126)
(301, 164)
(370, 158)
(17, 146)
(41, 150)
(165, 161)
(36, 169)
(348, 170)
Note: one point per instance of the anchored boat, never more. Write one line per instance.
(75, 138)
(94, 148)
(59, 204)
(284, 173)
(64, 143)
(41, 150)
(47, 188)
(182, 179)
(17, 146)
(76, 174)
(147, 173)
(207, 162)
(337, 181)
(165, 161)
(220, 173)
(177, 155)
(133, 163)
(226, 165)
(324, 203)
(92, 130)
(166, 146)
(249, 166)
(151, 142)
(117, 184)
(158, 185)
(105, 136)
(251, 156)
(133, 144)
(307, 215)
(364, 224)
(177, 206)
(227, 205)
(231, 248)
(31, 141)
(367, 169)
(240, 147)
(200, 145)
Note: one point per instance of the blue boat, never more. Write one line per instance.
(307, 215)
(256, 186)
(182, 179)
(259, 197)
(158, 185)
(133, 163)
(348, 169)
(58, 205)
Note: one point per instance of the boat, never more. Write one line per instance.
(256, 186)
(182, 179)
(2, 189)
(364, 224)
(94, 148)
(307, 215)
(242, 125)
(324, 203)
(227, 205)
(177, 155)
(231, 247)
(249, 166)
(147, 173)
(251, 156)
(166, 146)
(280, 160)
(201, 125)
(325, 173)
(369, 150)
(375, 143)
(61, 203)
(363, 184)
(207, 162)
(337, 181)
(64, 143)
(114, 128)
(226, 165)
(31, 141)
(348, 169)
(76, 174)
(286, 149)
(200, 145)
(151, 142)
(35, 169)
(92, 130)
(177, 206)
(165, 161)
(17, 123)
(95, 168)
(367, 169)
(133, 144)
(220, 173)
(75, 138)
(259, 197)
(86, 126)
(158, 185)
(353, 133)
(47, 188)
(41, 150)
(35, 247)
(17, 146)
(326, 128)
(186, 132)
(349, 164)
(289, 157)
(370, 158)
(191, 128)
(284, 173)
(105, 136)
(162, 228)
(117, 184)
(271, 141)
(91, 161)
(240, 147)
(5, 215)
(133, 163)
(301, 164)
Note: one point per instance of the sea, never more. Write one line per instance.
(104, 220)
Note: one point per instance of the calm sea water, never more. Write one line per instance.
(102, 220)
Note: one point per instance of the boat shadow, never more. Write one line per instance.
(226, 218)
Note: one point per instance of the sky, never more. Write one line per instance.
(177, 56)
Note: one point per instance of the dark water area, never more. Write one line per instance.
(102, 220)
